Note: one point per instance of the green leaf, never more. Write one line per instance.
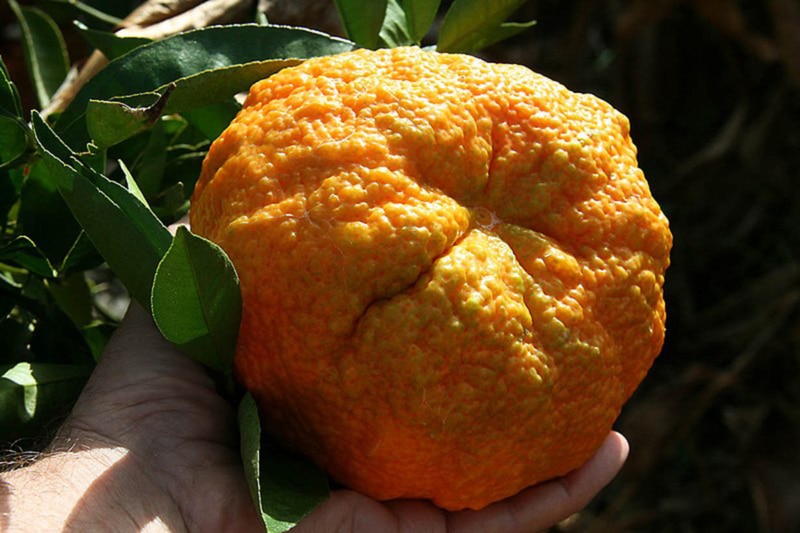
(284, 487)
(9, 96)
(125, 232)
(11, 182)
(420, 15)
(394, 31)
(45, 217)
(151, 162)
(73, 296)
(111, 44)
(22, 251)
(81, 256)
(468, 23)
(32, 395)
(361, 20)
(131, 184)
(504, 31)
(212, 119)
(196, 301)
(45, 51)
(172, 203)
(291, 487)
(261, 18)
(15, 139)
(199, 91)
(93, 159)
(250, 447)
(110, 122)
(207, 66)
(183, 169)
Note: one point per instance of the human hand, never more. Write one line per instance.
(533, 509)
(149, 446)
(154, 448)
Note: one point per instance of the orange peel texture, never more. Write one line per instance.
(451, 270)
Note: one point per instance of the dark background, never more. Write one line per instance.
(712, 90)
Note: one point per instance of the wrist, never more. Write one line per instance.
(81, 489)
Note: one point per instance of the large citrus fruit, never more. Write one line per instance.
(451, 270)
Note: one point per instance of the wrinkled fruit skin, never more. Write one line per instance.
(451, 270)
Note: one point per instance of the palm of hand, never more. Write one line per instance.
(178, 435)
(149, 399)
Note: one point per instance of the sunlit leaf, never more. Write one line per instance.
(131, 184)
(196, 302)
(207, 66)
(420, 15)
(110, 122)
(284, 487)
(394, 31)
(361, 20)
(125, 232)
(502, 32)
(469, 23)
